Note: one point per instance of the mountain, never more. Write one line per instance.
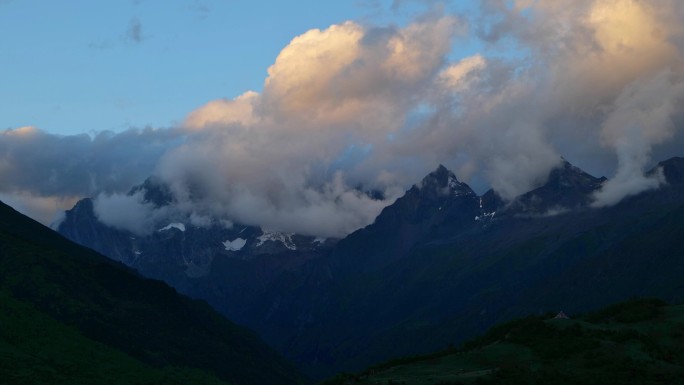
(70, 315)
(673, 170)
(179, 252)
(437, 207)
(636, 342)
(442, 264)
(567, 188)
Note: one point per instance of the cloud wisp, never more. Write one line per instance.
(134, 31)
(353, 108)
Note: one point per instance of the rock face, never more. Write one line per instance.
(438, 266)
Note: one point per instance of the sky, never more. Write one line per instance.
(79, 66)
(281, 114)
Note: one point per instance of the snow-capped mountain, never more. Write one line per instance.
(179, 250)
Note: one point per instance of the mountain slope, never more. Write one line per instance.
(142, 320)
(438, 206)
(637, 342)
(37, 349)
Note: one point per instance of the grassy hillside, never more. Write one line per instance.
(36, 349)
(70, 315)
(636, 342)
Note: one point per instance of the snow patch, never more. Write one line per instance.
(285, 239)
(485, 216)
(235, 245)
(453, 183)
(456, 187)
(178, 226)
(319, 240)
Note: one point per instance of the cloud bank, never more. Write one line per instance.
(353, 108)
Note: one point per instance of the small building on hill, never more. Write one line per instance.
(561, 315)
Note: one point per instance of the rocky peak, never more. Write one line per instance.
(567, 187)
(155, 191)
(569, 177)
(443, 182)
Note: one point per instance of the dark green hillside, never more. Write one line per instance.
(36, 349)
(69, 310)
(636, 342)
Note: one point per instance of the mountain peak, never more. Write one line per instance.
(566, 187)
(155, 191)
(443, 182)
(568, 176)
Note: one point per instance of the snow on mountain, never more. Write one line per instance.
(272, 236)
(178, 226)
(235, 245)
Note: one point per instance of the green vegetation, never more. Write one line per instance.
(636, 342)
(35, 349)
(70, 316)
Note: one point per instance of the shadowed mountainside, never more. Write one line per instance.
(71, 315)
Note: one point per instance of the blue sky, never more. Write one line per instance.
(83, 66)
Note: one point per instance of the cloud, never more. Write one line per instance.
(284, 159)
(640, 119)
(457, 77)
(222, 112)
(134, 31)
(42, 173)
(128, 212)
(397, 4)
(562, 95)
(354, 107)
(47, 210)
(202, 9)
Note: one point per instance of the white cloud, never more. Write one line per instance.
(640, 119)
(456, 76)
(236, 111)
(127, 212)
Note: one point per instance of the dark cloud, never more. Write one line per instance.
(200, 8)
(134, 31)
(397, 4)
(79, 165)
